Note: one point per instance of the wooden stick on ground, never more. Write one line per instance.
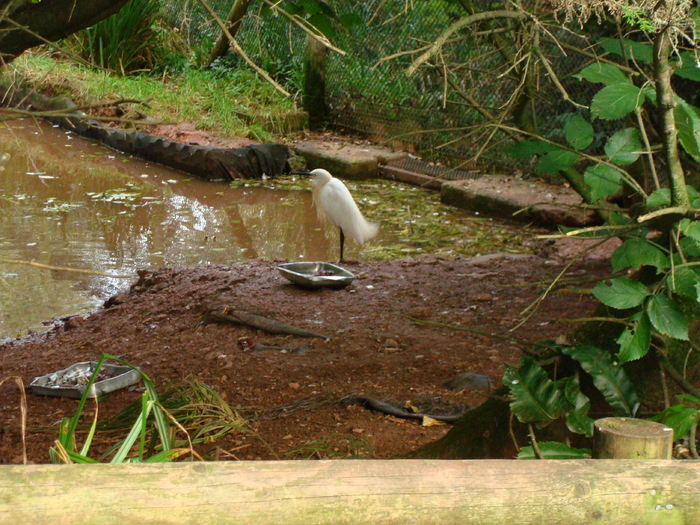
(232, 314)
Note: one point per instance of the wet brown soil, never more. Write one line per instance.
(398, 333)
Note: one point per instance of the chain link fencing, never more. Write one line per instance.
(433, 113)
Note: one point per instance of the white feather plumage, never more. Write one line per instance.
(335, 204)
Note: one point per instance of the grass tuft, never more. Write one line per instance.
(230, 103)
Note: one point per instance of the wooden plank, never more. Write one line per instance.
(354, 492)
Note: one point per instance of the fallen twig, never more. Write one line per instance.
(63, 268)
(232, 314)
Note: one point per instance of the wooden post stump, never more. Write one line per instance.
(629, 438)
(314, 93)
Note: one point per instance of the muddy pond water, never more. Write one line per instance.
(72, 203)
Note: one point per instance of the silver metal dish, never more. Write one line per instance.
(316, 274)
(71, 382)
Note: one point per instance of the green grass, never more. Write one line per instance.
(231, 103)
(152, 429)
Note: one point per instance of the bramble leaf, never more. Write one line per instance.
(616, 100)
(659, 198)
(603, 181)
(579, 132)
(556, 161)
(603, 73)
(624, 147)
(620, 293)
(639, 51)
(634, 342)
(667, 317)
(527, 148)
(638, 252)
(684, 281)
(691, 229)
(687, 119)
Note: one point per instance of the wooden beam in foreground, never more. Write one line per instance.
(355, 492)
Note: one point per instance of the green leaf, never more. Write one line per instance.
(326, 9)
(556, 161)
(680, 418)
(608, 377)
(311, 7)
(603, 181)
(555, 450)
(620, 293)
(349, 20)
(650, 93)
(602, 72)
(688, 68)
(639, 51)
(634, 342)
(536, 397)
(666, 316)
(688, 398)
(687, 119)
(579, 132)
(616, 100)
(693, 195)
(624, 147)
(659, 198)
(638, 252)
(324, 25)
(690, 247)
(527, 148)
(577, 419)
(691, 229)
(684, 281)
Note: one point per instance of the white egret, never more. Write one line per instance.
(334, 204)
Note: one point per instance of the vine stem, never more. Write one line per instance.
(693, 444)
(535, 445)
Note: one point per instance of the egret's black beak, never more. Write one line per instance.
(299, 173)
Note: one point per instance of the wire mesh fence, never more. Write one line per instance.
(435, 111)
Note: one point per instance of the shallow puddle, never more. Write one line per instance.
(71, 203)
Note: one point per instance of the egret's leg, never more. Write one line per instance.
(342, 241)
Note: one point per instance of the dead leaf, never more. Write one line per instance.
(430, 422)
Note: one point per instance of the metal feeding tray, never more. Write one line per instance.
(316, 274)
(71, 382)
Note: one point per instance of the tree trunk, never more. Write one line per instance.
(314, 98)
(35, 21)
(233, 21)
(482, 433)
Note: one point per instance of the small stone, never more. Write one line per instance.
(294, 386)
